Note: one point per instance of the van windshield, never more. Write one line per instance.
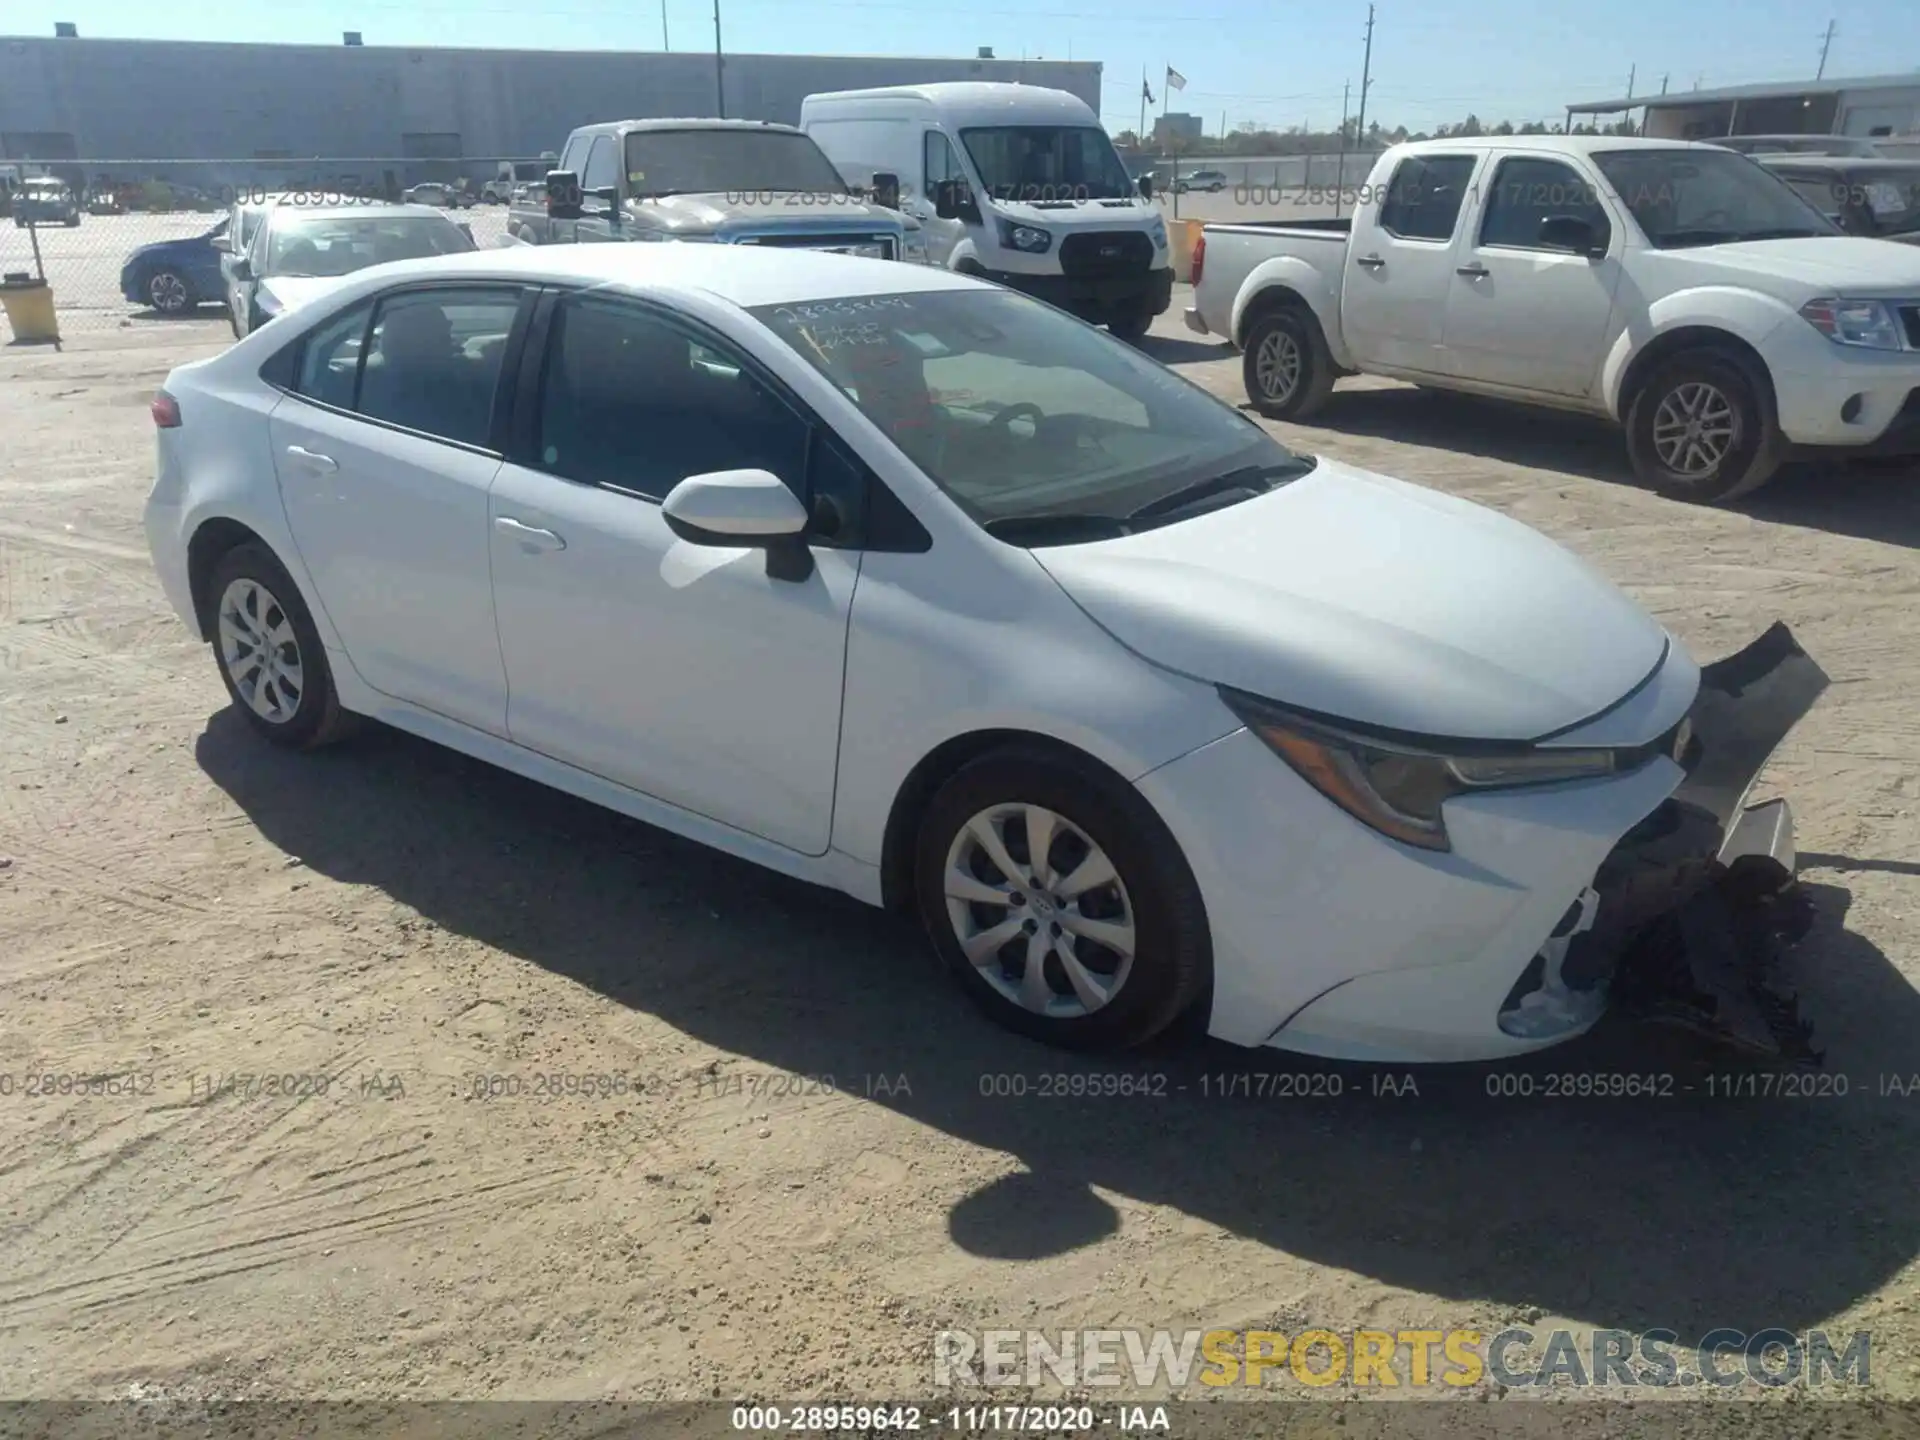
(1047, 162)
(716, 162)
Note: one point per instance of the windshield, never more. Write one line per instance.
(1048, 162)
(1889, 197)
(1021, 413)
(340, 245)
(1707, 197)
(45, 189)
(717, 162)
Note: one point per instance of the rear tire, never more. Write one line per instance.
(1285, 364)
(1701, 429)
(270, 656)
(1131, 327)
(1112, 873)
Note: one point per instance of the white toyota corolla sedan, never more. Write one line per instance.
(909, 585)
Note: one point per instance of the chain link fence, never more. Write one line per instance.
(112, 237)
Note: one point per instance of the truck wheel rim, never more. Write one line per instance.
(1039, 910)
(168, 292)
(1694, 427)
(260, 651)
(1277, 363)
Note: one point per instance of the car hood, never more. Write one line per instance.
(290, 292)
(1065, 215)
(1799, 270)
(1371, 600)
(748, 210)
(173, 249)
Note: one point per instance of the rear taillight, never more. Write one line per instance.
(1199, 257)
(166, 411)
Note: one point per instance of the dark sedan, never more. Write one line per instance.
(173, 276)
(1880, 198)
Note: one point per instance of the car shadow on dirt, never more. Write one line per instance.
(1708, 1204)
(1871, 500)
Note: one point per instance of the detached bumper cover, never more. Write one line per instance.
(1691, 910)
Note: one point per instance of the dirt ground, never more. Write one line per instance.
(416, 941)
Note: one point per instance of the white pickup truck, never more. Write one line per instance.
(1680, 290)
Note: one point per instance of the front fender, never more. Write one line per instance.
(1744, 314)
(1320, 293)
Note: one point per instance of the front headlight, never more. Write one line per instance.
(1030, 238)
(1870, 324)
(1157, 232)
(1400, 789)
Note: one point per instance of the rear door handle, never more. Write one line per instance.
(1473, 271)
(312, 459)
(1372, 262)
(530, 538)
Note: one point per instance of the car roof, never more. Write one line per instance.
(381, 211)
(976, 102)
(1892, 165)
(1556, 144)
(609, 127)
(743, 275)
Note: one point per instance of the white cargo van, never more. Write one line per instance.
(1014, 183)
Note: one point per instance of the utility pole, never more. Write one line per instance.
(1140, 135)
(1826, 44)
(1366, 71)
(664, 45)
(1663, 83)
(1631, 72)
(719, 66)
(1340, 165)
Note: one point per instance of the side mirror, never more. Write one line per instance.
(744, 509)
(886, 189)
(1146, 186)
(1571, 232)
(609, 196)
(949, 198)
(222, 244)
(563, 195)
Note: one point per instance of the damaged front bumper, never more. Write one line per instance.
(1685, 920)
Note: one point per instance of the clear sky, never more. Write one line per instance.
(1264, 60)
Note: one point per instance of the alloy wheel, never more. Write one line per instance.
(168, 292)
(1278, 365)
(1039, 910)
(1694, 428)
(260, 651)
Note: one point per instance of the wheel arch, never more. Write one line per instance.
(1678, 341)
(940, 765)
(212, 539)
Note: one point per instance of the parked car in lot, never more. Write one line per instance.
(105, 202)
(1876, 198)
(173, 276)
(45, 200)
(299, 253)
(728, 182)
(1682, 290)
(439, 193)
(909, 585)
(1209, 180)
(1017, 184)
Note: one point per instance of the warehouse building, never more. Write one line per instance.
(1875, 105)
(74, 98)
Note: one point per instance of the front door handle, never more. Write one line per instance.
(530, 538)
(1372, 262)
(312, 459)
(1473, 271)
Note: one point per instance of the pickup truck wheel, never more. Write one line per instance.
(1286, 367)
(1131, 327)
(1700, 430)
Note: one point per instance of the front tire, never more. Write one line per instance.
(1285, 364)
(1700, 429)
(1100, 945)
(168, 293)
(269, 653)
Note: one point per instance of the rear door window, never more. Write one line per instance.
(434, 358)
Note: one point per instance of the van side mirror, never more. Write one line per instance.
(1572, 232)
(953, 200)
(886, 189)
(1146, 186)
(563, 195)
